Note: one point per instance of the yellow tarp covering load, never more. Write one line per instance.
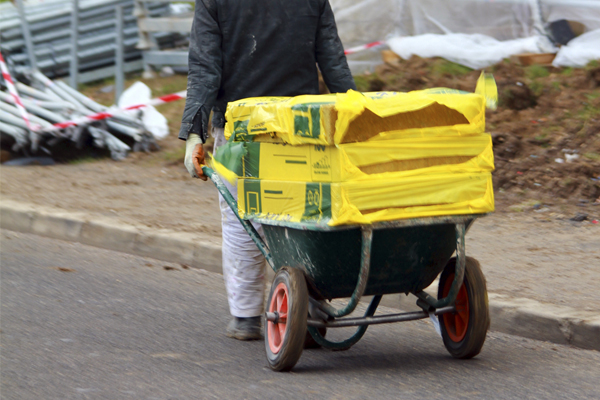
(354, 117)
(361, 158)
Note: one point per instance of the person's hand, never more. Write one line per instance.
(194, 156)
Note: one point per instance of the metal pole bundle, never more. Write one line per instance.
(33, 118)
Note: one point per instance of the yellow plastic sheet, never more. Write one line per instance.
(366, 202)
(355, 161)
(360, 158)
(355, 117)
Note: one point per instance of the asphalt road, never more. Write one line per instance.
(79, 322)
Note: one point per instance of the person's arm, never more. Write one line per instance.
(330, 54)
(204, 71)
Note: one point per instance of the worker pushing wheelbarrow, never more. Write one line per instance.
(357, 194)
(378, 207)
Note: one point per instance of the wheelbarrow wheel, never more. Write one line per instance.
(284, 339)
(464, 331)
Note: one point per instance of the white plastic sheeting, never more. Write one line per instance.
(365, 21)
(579, 51)
(474, 51)
(153, 121)
(585, 11)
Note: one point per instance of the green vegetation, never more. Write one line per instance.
(537, 88)
(568, 71)
(592, 156)
(362, 83)
(556, 86)
(593, 64)
(83, 160)
(536, 71)
(443, 67)
(593, 95)
(588, 112)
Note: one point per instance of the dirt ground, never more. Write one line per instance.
(528, 248)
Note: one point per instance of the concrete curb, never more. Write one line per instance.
(194, 250)
(516, 316)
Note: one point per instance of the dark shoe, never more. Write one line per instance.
(245, 328)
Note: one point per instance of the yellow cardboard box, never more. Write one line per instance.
(341, 163)
(365, 202)
(355, 117)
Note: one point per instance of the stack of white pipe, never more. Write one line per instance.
(51, 102)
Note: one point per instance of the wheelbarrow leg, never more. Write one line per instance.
(346, 344)
(428, 302)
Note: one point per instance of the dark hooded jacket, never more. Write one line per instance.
(252, 48)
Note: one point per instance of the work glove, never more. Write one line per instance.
(194, 156)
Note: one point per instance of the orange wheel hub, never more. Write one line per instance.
(456, 323)
(279, 304)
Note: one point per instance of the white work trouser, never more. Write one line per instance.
(243, 263)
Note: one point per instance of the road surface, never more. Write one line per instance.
(78, 322)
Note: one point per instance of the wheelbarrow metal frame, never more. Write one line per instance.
(429, 304)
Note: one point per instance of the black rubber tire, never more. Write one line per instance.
(295, 332)
(310, 343)
(479, 315)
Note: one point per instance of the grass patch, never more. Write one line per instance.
(593, 64)
(444, 67)
(588, 112)
(537, 88)
(536, 71)
(556, 86)
(362, 83)
(593, 95)
(592, 156)
(568, 71)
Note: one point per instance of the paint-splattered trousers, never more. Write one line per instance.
(243, 263)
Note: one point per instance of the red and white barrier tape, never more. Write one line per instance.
(13, 92)
(111, 113)
(363, 47)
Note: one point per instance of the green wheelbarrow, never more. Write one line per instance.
(315, 263)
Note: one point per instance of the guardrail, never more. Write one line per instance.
(148, 25)
(49, 36)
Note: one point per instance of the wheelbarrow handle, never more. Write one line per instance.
(231, 201)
